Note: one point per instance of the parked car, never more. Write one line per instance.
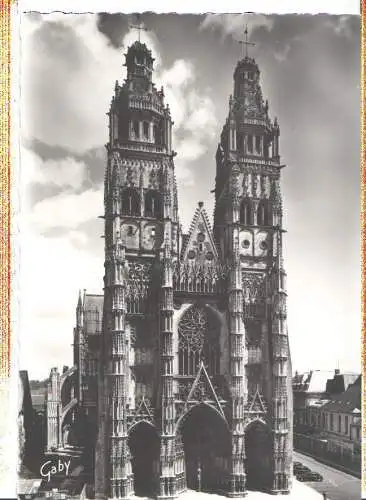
(309, 476)
(299, 467)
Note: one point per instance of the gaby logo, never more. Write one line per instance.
(48, 469)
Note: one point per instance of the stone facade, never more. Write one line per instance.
(187, 376)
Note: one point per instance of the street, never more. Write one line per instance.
(337, 485)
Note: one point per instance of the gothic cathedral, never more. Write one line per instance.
(183, 366)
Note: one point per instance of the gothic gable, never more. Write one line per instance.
(201, 391)
(199, 245)
(256, 403)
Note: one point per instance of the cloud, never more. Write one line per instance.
(341, 25)
(234, 24)
(68, 73)
(68, 107)
(194, 117)
(52, 272)
(65, 172)
(67, 210)
(188, 151)
(282, 55)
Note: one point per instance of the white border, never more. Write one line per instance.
(196, 7)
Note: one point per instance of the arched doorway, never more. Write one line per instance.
(206, 441)
(144, 444)
(258, 452)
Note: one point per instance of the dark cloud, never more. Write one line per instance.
(114, 27)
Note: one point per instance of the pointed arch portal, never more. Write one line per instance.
(144, 445)
(258, 453)
(207, 449)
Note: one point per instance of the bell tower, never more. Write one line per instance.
(141, 227)
(248, 231)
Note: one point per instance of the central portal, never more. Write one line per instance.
(207, 450)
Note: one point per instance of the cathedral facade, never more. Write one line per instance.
(182, 367)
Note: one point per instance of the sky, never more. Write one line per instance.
(310, 73)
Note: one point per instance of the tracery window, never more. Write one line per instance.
(246, 213)
(198, 333)
(263, 214)
(153, 204)
(130, 202)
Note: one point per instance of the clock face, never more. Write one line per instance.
(261, 244)
(246, 243)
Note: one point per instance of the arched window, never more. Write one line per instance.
(246, 216)
(258, 144)
(153, 204)
(156, 134)
(198, 333)
(146, 130)
(263, 215)
(130, 202)
(250, 143)
(136, 129)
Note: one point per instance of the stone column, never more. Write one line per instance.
(54, 438)
(113, 474)
(167, 454)
(236, 342)
(151, 131)
(280, 410)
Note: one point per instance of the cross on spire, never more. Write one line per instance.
(139, 27)
(245, 43)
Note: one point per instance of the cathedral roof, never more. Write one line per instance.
(347, 402)
(93, 302)
(199, 244)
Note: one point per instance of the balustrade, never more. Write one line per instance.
(198, 279)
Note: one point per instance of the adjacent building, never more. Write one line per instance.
(328, 422)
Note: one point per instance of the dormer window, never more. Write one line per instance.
(139, 59)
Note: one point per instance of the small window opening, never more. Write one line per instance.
(250, 143)
(258, 143)
(146, 130)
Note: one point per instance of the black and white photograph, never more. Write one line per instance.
(189, 241)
